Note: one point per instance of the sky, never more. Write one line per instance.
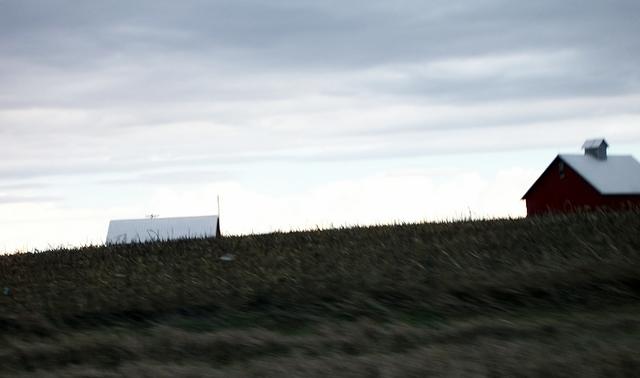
(299, 114)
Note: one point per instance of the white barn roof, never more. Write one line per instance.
(618, 174)
(153, 229)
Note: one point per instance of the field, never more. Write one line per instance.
(542, 297)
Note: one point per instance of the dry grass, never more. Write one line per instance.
(550, 296)
(586, 344)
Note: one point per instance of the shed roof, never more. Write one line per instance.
(151, 229)
(617, 174)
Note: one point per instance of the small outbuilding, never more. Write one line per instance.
(594, 180)
(125, 231)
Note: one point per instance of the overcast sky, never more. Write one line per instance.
(299, 113)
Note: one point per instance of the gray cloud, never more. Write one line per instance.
(90, 88)
(160, 51)
(22, 186)
(12, 199)
(170, 177)
(117, 167)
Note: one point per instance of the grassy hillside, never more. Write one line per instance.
(546, 296)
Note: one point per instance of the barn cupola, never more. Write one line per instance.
(596, 148)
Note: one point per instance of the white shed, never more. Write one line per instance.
(153, 229)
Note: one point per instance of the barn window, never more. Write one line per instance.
(561, 169)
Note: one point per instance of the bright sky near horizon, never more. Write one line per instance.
(299, 113)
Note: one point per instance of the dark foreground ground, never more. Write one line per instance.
(544, 297)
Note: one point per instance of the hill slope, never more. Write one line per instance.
(488, 298)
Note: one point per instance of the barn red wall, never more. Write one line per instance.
(559, 195)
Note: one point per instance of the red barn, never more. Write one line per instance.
(589, 181)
